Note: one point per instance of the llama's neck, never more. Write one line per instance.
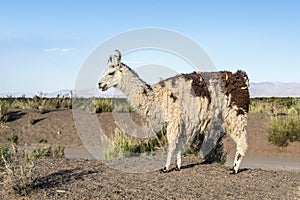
(137, 91)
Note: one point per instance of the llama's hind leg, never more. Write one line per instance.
(240, 150)
(236, 126)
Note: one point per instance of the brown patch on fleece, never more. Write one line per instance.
(199, 87)
(173, 97)
(234, 84)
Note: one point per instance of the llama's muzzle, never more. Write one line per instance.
(102, 86)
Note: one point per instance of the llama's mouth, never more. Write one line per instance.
(103, 87)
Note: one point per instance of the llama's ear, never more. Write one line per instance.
(119, 55)
(110, 59)
(120, 67)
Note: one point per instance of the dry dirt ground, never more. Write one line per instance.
(90, 179)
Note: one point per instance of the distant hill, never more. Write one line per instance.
(262, 89)
(275, 89)
(61, 93)
(16, 94)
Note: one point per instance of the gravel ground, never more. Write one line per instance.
(90, 179)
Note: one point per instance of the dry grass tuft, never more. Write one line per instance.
(18, 165)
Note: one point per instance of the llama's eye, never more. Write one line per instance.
(111, 73)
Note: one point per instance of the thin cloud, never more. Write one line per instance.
(63, 50)
(67, 49)
(52, 50)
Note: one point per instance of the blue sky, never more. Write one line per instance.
(44, 43)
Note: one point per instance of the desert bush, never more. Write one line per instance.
(4, 150)
(34, 103)
(20, 164)
(111, 105)
(42, 104)
(127, 146)
(275, 106)
(66, 103)
(85, 104)
(123, 145)
(19, 104)
(58, 152)
(38, 103)
(48, 151)
(20, 171)
(102, 105)
(121, 105)
(43, 107)
(3, 111)
(283, 130)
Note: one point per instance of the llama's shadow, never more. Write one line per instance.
(244, 170)
(192, 165)
(61, 177)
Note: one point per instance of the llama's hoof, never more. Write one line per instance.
(164, 170)
(232, 171)
(177, 168)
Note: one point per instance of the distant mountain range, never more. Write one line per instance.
(275, 89)
(61, 93)
(262, 89)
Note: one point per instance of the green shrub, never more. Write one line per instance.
(20, 170)
(102, 105)
(111, 105)
(4, 150)
(127, 146)
(58, 152)
(38, 103)
(121, 105)
(66, 103)
(42, 104)
(20, 165)
(283, 130)
(275, 106)
(3, 110)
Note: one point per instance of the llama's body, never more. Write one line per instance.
(188, 104)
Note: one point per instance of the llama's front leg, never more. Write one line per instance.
(172, 137)
(178, 149)
(169, 158)
(178, 166)
(171, 149)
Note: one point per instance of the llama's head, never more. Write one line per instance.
(113, 73)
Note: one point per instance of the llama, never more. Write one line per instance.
(187, 104)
